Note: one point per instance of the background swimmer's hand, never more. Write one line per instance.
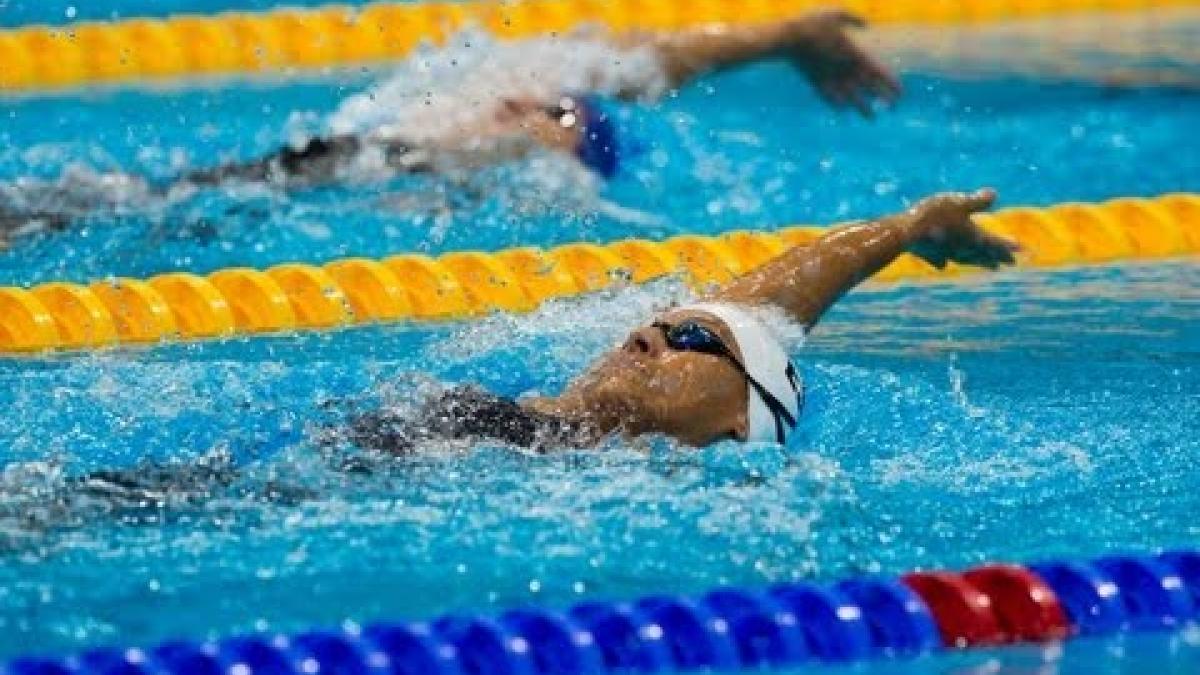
(948, 234)
(842, 72)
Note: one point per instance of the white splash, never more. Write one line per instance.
(572, 331)
(441, 90)
(78, 186)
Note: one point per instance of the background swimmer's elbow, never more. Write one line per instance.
(817, 43)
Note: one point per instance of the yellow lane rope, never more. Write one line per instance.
(1146, 50)
(44, 57)
(294, 296)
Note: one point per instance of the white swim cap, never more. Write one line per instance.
(768, 364)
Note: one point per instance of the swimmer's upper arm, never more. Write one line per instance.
(806, 280)
(690, 52)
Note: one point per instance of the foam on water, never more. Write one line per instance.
(901, 462)
(443, 90)
(443, 98)
(743, 149)
(945, 425)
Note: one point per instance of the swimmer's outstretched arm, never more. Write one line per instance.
(807, 280)
(818, 43)
(314, 163)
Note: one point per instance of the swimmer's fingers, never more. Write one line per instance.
(990, 252)
(860, 99)
(870, 93)
(845, 93)
(870, 76)
(846, 19)
(869, 72)
(952, 235)
(840, 69)
(981, 250)
(1001, 250)
(984, 248)
(848, 93)
(835, 93)
(880, 80)
(980, 200)
(950, 209)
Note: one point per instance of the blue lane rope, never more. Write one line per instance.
(723, 629)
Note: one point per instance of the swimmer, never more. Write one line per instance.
(704, 372)
(543, 109)
(575, 123)
(710, 370)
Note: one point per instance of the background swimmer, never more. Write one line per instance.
(546, 95)
(563, 111)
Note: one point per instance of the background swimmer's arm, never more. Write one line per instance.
(807, 280)
(817, 43)
(315, 162)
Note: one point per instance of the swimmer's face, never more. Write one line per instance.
(548, 126)
(695, 397)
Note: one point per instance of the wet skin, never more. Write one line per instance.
(817, 43)
(643, 386)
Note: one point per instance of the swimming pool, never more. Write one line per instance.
(948, 424)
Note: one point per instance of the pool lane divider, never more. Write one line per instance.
(41, 57)
(726, 629)
(465, 284)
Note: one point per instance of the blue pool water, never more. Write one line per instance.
(776, 157)
(948, 425)
(1026, 416)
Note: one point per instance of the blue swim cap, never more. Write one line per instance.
(597, 148)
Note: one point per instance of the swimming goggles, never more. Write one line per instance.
(597, 148)
(565, 112)
(690, 336)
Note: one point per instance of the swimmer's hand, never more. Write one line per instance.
(948, 234)
(841, 71)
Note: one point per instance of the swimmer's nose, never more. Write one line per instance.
(645, 340)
